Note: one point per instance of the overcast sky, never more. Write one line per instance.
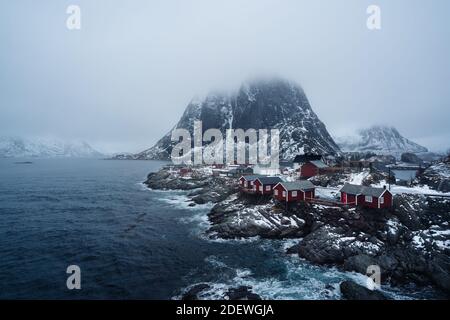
(124, 79)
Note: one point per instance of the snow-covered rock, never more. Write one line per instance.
(380, 140)
(14, 147)
(437, 177)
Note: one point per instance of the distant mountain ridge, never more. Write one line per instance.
(16, 147)
(381, 140)
(260, 104)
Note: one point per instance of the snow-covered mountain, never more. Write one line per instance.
(380, 140)
(15, 147)
(260, 104)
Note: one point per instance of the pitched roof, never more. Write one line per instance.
(306, 157)
(269, 180)
(319, 164)
(298, 185)
(366, 191)
(250, 177)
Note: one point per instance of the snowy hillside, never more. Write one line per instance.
(262, 104)
(380, 140)
(13, 147)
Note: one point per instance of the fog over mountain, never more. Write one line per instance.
(260, 104)
(16, 147)
(124, 78)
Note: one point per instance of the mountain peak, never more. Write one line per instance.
(380, 139)
(17, 147)
(262, 103)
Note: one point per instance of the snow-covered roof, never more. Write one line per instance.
(306, 157)
(250, 177)
(366, 191)
(269, 180)
(298, 185)
(319, 164)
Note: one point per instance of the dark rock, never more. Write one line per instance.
(436, 176)
(319, 247)
(199, 199)
(410, 158)
(408, 208)
(192, 292)
(439, 271)
(294, 249)
(359, 263)
(242, 293)
(354, 291)
(387, 262)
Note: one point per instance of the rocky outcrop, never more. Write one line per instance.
(201, 291)
(330, 246)
(409, 157)
(437, 177)
(353, 291)
(192, 293)
(410, 242)
(203, 188)
(242, 293)
(241, 216)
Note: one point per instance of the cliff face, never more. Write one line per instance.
(264, 104)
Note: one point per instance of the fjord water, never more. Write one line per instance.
(130, 242)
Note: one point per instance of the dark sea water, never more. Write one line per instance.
(131, 242)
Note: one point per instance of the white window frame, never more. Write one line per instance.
(275, 192)
(368, 199)
(284, 194)
(382, 200)
(294, 193)
(267, 188)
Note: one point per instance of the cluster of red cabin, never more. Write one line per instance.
(304, 190)
(353, 194)
(282, 191)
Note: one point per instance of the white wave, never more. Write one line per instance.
(213, 237)
(303, 281)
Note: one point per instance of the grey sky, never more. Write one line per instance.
(124, 79)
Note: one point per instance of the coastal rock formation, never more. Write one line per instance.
(437, 176)
(354, 291)
(240, 216)
(410, 242)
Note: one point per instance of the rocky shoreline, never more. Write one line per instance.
(409, 242)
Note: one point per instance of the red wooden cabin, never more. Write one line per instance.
(247, 182)
(294, 191)
(313, 168)
(264, 185)
(366, 196)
